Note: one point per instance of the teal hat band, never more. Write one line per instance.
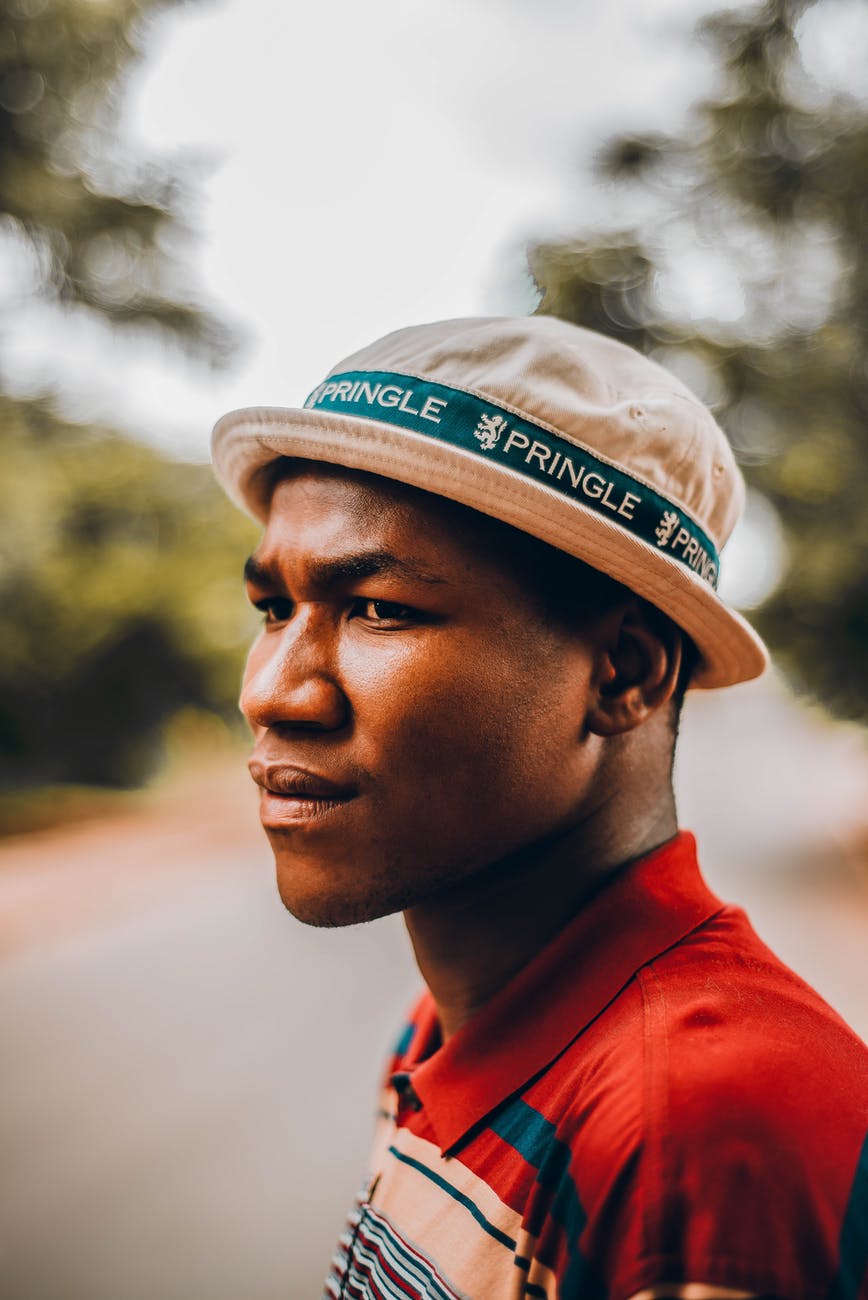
(461, 419)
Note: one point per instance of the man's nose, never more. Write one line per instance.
(290, 680)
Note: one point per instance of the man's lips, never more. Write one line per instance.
(294, 798)
(297, 783)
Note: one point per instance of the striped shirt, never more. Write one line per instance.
(655, 1106)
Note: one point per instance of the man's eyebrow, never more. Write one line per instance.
(353, 567)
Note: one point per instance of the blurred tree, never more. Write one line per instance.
(105, 229)
(745, 269)
(117, 608)
(113, 616)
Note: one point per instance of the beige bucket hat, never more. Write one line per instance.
(556, 430)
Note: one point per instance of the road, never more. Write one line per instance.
(188, 1073)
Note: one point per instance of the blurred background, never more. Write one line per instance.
(205, 205)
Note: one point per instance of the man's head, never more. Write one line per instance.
(488, 572)
(427, 695)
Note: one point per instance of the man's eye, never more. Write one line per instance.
(277, 609)
(385, 611)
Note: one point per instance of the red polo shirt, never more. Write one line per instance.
(654, 1103)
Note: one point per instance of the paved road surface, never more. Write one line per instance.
(188, 1073)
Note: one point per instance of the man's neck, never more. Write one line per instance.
(471, 939)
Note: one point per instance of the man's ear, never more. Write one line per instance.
(636, 672)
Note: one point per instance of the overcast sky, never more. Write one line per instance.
(366, 167)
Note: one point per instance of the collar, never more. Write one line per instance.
(650, 905)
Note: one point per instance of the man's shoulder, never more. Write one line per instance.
(716, 1034)
(725, 1013)
(714, 1047)
(717, 1112)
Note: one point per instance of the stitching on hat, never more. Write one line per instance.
(693, 443)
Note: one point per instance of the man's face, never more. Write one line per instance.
(416, 716)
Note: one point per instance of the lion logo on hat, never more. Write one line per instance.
(489, 429)
(664, 530)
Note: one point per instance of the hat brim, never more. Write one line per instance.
(245, 441)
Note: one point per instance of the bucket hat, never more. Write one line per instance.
(559, 431)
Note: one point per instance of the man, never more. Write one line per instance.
(487, 575)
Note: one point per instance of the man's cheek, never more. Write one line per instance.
(451, 750)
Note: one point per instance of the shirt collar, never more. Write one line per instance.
(650, 905)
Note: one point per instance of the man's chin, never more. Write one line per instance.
(329, 909)
(340, 892)
(333, 913)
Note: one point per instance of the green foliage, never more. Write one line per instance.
(763, 197)
(106, 228)
(116, 609)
